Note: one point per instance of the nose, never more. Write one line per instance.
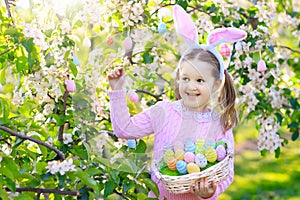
(192, 85)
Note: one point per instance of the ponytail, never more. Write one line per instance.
(229, 117)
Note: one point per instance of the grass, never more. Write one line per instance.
(258, 177)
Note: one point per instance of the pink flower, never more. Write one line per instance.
(133, 96)
(261, 66)
(127, 44)
(71, 87)
(224, 50)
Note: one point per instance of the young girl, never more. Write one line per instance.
(202, 84)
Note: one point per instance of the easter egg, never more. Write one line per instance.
(171, 162)
(162, 28)
(131, 144)
(201, 160)
(167, 154)
(261, 66)
(181, 167)
(200, 142)
(179, 154)
(127, 43)
(190, 147)
(167, 145)
(133, 96)
(221, 152)
(200, 149)
(192, 168)
(210, 154)
(75, 60)
(189, 157)
(210, 143)
(86, 42)
(224, 50)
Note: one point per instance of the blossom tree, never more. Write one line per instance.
(56, 138)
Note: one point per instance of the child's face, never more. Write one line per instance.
(196, 84)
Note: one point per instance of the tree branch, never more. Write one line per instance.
(61, 128)
(43, 190)
(289, 48)
(25, 137)
(120, 194)
(157, 97)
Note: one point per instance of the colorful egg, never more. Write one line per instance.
(200, 142)
(75, 60)
(133, 96)
(162, 28)
(211, 154)
(127, 43)
(181, 167)
(131, 144)
(201, 160)
(190, 147)
(167, 146)
(167, 154)
(178, 146)
(192, 168)
(189, 157)
(221, 152)
(224, 50)
(179, 154)
(210, 143)
(171, 162)
(200, 149)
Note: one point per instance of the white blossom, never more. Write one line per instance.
(67, 138)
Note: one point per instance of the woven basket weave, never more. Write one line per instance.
(181, 184)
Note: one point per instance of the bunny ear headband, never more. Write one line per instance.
(187, 30)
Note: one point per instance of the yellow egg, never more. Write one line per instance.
(211, 154)
(179, 154)
(193, 168)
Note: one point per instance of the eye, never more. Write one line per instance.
(185, 79)
(200, 80)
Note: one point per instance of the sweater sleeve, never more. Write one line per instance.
(125, 126)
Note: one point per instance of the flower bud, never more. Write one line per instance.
(238, 46)
(133, 96)
(261, 66)
(70, 85)
(86, 42)
(224, 50)
(110, 40)
(127, 44)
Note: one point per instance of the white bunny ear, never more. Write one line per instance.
(185, 26)
(224, 35)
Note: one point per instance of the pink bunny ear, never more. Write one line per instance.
(220, 35)
(184, 25)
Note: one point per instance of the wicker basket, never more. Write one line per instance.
(181, 184)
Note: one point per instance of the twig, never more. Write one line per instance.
(43, 190)
(8, 10)
(289, 48)
(61, 128)
(120, 194)
(160, 76)
(171, 4)
(157, 97)
(6, 51)
(25, 137)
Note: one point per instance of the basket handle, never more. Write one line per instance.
(154, 167)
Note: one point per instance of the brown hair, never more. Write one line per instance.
(226, 100)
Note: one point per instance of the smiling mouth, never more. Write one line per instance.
(192, 94)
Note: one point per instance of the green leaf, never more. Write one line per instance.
(109, 188)
(3, 77)
(295, 135)
(183, 4)
(141, 147)
(127, 185)
(3, 194)
(151, 185)
(11, 185)
(147, 58)
(263, 152)
(73, 68)
(277, 152)
(40, 167)
(256, 57)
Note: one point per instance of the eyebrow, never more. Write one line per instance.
(197, 76)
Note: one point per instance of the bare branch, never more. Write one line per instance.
(61, 128)
(289, 48)
(157, 97)
(25, 137)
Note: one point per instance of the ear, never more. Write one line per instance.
(184, 25)
(224, 35)
(217, 85)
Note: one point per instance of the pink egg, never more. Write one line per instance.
(224, 50)
(127, 44)
(110, 40)
(70, 85)
(133, 96)
(221, 152)
(189, 157)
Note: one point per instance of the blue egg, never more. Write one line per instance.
(131, 144)
(75, 60)
(181, 167)
(162, 28)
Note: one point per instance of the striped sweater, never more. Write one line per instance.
(169, 122)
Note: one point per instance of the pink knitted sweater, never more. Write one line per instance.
(170, 122)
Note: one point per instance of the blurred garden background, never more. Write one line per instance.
(56, 139)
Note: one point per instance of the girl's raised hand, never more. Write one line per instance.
(203, 189)
(117, 78)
